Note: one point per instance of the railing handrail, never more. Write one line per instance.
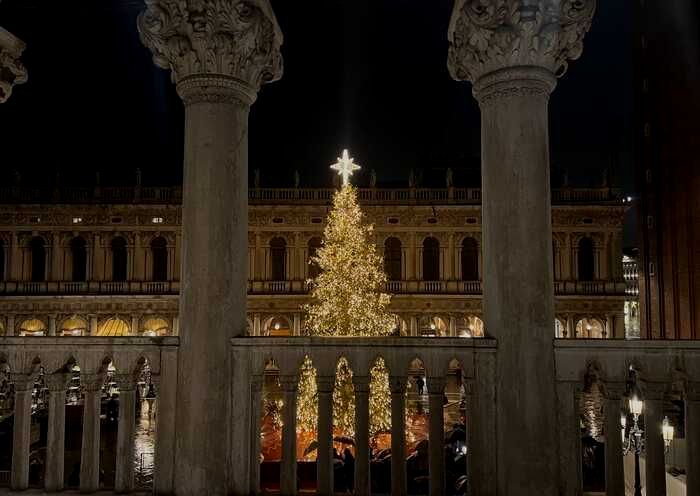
(173, 195)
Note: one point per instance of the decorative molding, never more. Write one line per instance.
(12, 72)
(218, 51)
(486, 36)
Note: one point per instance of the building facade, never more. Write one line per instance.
(106, 261)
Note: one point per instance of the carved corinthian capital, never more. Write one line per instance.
(12, 71)
(216, 40)
(488, 35)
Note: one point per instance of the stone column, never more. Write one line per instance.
(256, 386)
(124, 479)
(52, 325)
(165, 425)
(55, 268)
(10, 329)
(614, 466)
(12, 72)
(362, 475)
(135, 325)
(654, 442)
(569, 427)
(692, 436)
(93, 327)
(512, 51)
(436, 430)
(398, 435)
(21, 431)
(220, 53)
(288, 466)
(90, 448)
(55, 442)
(324, 459)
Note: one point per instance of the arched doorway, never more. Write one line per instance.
(78, 250)
(431, 259)
(586, 260)
(278, 259)
(119, 259)
(470, 259)
(392, 259)
(159, 255)
(38, 259)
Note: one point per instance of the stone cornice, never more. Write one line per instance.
(486, 36)
(12, 72)
(217, 50)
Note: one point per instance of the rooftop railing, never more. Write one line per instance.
(263, 196)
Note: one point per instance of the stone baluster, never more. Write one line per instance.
(362, 474)
(24, 384)
(256, 387)
(55, 441)
(436, 429)
(398, 435)
(614, 466)
(12, 72)
(90, 448)
(288, 466)
(124, 478)
(692, 436)
(654, 441)
(220, 53)
(324, 454)
(568, 397)
(512, 51)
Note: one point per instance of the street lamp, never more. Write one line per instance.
(668, 432)
(634, 441)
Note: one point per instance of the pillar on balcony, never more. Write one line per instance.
(90, 447)
(452, 326)
(324, 453)
(654, 441)
(436, 430)
(398, 435)
(614, 466)
(362, 474)
(288, 466)
(92, 331)
(55, 440)
(52, 325)
(135, 331)
(124, 478)
(10, 329)
(220, 53)
(256, 386)
(24, 384)
(513, 53)
(692, 436)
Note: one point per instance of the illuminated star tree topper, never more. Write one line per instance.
(345, 166)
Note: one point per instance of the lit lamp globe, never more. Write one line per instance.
(636, 406)
(668, 432)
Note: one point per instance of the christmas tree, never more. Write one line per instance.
(347, 300)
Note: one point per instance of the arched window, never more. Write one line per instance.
(78, 253)
(431, 259)
(586, 267)
(159, 253)
(118, 259)
(2, 260)
(314, 245)
(470, 260)
(392, 259)
(36, 245)
(278, 259)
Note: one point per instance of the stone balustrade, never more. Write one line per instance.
(26, 358)
(256, 196)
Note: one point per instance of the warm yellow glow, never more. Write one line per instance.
(668, 431)
(75, 326)
(113, 327)
(344, 399)
(307, 405)
(32, 327)
(379, 399)
(636, 405)
(156, 326)
(345, 166)
(346, 296)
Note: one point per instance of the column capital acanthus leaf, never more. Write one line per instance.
(232, 40)
(486, 36)
(12, 71)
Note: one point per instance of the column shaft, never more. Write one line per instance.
(614, 462)
(692, 436)
(124, 479)
(654, 447)
(255, 422)
(570, 477)
(398, 436)
(518, 288)
(90, 448)
(55, 442)
(324, 460)
(436, 386)
(213, 294)
(362, 474)
(165, 427)
(288, 466)
(21, 433)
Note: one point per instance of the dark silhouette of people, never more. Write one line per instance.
(349, 466)
(420, 384)
(74, 477)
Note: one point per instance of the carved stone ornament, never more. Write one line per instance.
(488, 35)
(12, 72)
(218, 42)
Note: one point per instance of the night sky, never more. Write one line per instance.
(368, 75)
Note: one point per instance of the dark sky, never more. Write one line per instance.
(369, 75)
